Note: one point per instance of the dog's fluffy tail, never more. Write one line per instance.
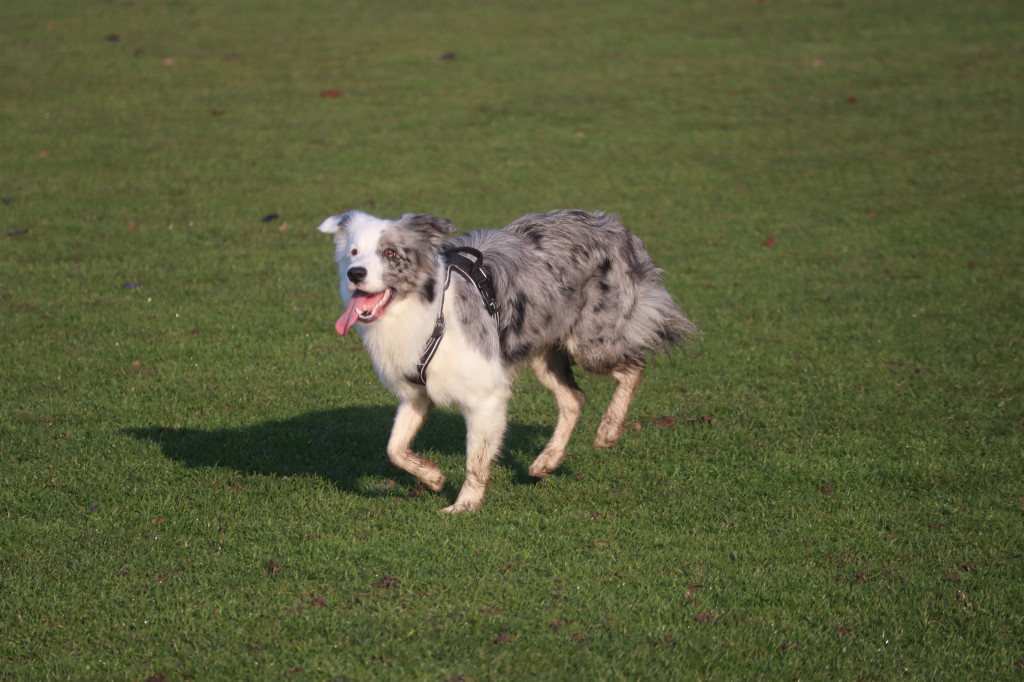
(655, 323)
(660, 314)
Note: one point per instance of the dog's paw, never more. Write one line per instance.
(433, 484)
(607, 437)
(540, 469)
(464, 506)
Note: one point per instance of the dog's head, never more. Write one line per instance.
(383, 261)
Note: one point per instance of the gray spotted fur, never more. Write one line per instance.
(414, 238)
(575, 281)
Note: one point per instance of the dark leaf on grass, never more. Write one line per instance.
(157, 677)
(112, 38)
(330, 93)
(789, 645)
(852, 99)
(317, 602)
(769, 242)
(492, 610)
(295, 671)
(665, 422)
(828, 488)
(93, 507)
(131, 285)
(556, 624)
(953, 577)
(387, 582)
(1018, 665)
(692, 590)
(503, 638)
(448, 56)
(415, 492)
(18, 233)
(843, 630)
(705, 618)
(273, 567)
(270, 216)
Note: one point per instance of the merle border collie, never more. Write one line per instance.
(450, 321)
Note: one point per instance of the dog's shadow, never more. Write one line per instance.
(341, 446)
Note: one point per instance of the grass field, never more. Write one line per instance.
(829, 486)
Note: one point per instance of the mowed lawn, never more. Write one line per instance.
(830, 485)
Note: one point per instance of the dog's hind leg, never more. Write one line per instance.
(408, 420)
(485, 428)
(555, 374)
(628, 378)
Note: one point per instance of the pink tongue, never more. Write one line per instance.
(361, 302)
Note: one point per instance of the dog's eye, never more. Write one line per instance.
(354, 251)
(389, 253)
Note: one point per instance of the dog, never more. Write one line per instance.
(450, 321)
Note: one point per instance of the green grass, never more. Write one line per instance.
(192, 477)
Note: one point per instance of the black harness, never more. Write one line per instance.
(468, 262)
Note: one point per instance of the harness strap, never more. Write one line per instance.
(468, 262)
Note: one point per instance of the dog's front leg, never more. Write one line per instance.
(485, 428)
(408, 420)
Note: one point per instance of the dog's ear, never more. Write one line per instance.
(336, 224)
(434, 228)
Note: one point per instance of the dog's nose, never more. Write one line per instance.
(356, 274)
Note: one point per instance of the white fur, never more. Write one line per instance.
(458, 375)
(357, 246)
